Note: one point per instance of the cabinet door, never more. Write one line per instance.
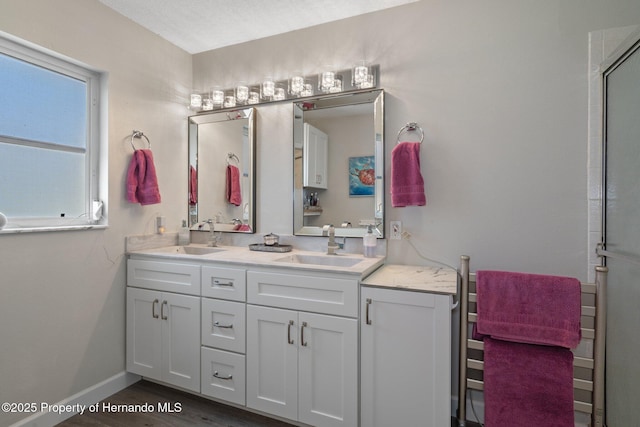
(180, 315)
(272, 361)
(405, 358)
(144, 337)
(328, 370)
(315, 153)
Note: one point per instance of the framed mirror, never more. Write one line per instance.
(222, 170)
(339, 164)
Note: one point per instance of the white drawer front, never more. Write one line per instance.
(223, 324)
(164, 276)
(223, 375)
(225, 283)
(304, 293)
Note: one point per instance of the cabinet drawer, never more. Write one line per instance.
(223, 375)
(164, 276)
(225, 283)
(305, 293)
(223, 324)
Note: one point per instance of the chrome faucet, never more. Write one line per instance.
(332, 246)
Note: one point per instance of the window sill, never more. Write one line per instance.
(18, 230)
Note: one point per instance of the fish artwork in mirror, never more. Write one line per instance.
(222, 171)
(339, 164)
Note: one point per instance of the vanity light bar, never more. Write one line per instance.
(360, 77)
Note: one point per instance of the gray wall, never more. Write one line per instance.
(500, 89)
(62, 298)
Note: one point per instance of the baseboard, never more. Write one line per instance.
(86, 397)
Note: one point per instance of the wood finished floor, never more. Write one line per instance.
(195, 411)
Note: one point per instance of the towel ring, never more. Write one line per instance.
(411, 127)
(140, 135)
(232, 156)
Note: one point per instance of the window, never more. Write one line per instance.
(49, 140)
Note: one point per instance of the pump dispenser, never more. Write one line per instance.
(184, 235)
(369, 242)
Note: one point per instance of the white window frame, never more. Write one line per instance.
(95, 199)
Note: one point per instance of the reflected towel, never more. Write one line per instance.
(234, 194)
(407, 185)
(142, 183)
(193, 186)
(527, 385)
(529, 308)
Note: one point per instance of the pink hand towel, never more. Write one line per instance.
(193, 186)
(234, 194)
(142, 183)
(407, 185)
(527, 385)
(529, 308)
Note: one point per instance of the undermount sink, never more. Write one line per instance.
(326, 260)
(191, 250)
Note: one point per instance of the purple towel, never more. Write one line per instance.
(142, 183)
(407, 185)
(527, 385)
(529, 308)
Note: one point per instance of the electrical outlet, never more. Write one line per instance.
(396, 230)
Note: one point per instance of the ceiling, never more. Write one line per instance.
(200, 25)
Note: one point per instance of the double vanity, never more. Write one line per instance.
(314, 339)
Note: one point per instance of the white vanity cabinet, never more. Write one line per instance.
(405, 358)
(302, 349)
(163, 339)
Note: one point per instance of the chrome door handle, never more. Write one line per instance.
(215, 375)
(289, 340)
(367, 319)
(217, 324)
(153, 308)
(304, 325)
(162, 315)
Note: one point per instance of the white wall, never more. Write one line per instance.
(500, 89)
(62, 299)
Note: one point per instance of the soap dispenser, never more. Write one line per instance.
(184, 234)
(369, 242)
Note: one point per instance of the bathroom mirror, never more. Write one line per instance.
(339, 164)
(222, 171)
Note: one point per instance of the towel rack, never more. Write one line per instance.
(232, 156)
(411, 127)
(138, 134)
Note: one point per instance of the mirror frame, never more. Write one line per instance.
(376, 99)
(217, 117)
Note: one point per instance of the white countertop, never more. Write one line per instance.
(414, 278)
(243, 256)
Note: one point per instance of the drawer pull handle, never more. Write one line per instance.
(219, 283)
(368, 320)
(153, 308)
(304, 325)
(217, 324)
(289, 340)
(162, 315)
(215, 375)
